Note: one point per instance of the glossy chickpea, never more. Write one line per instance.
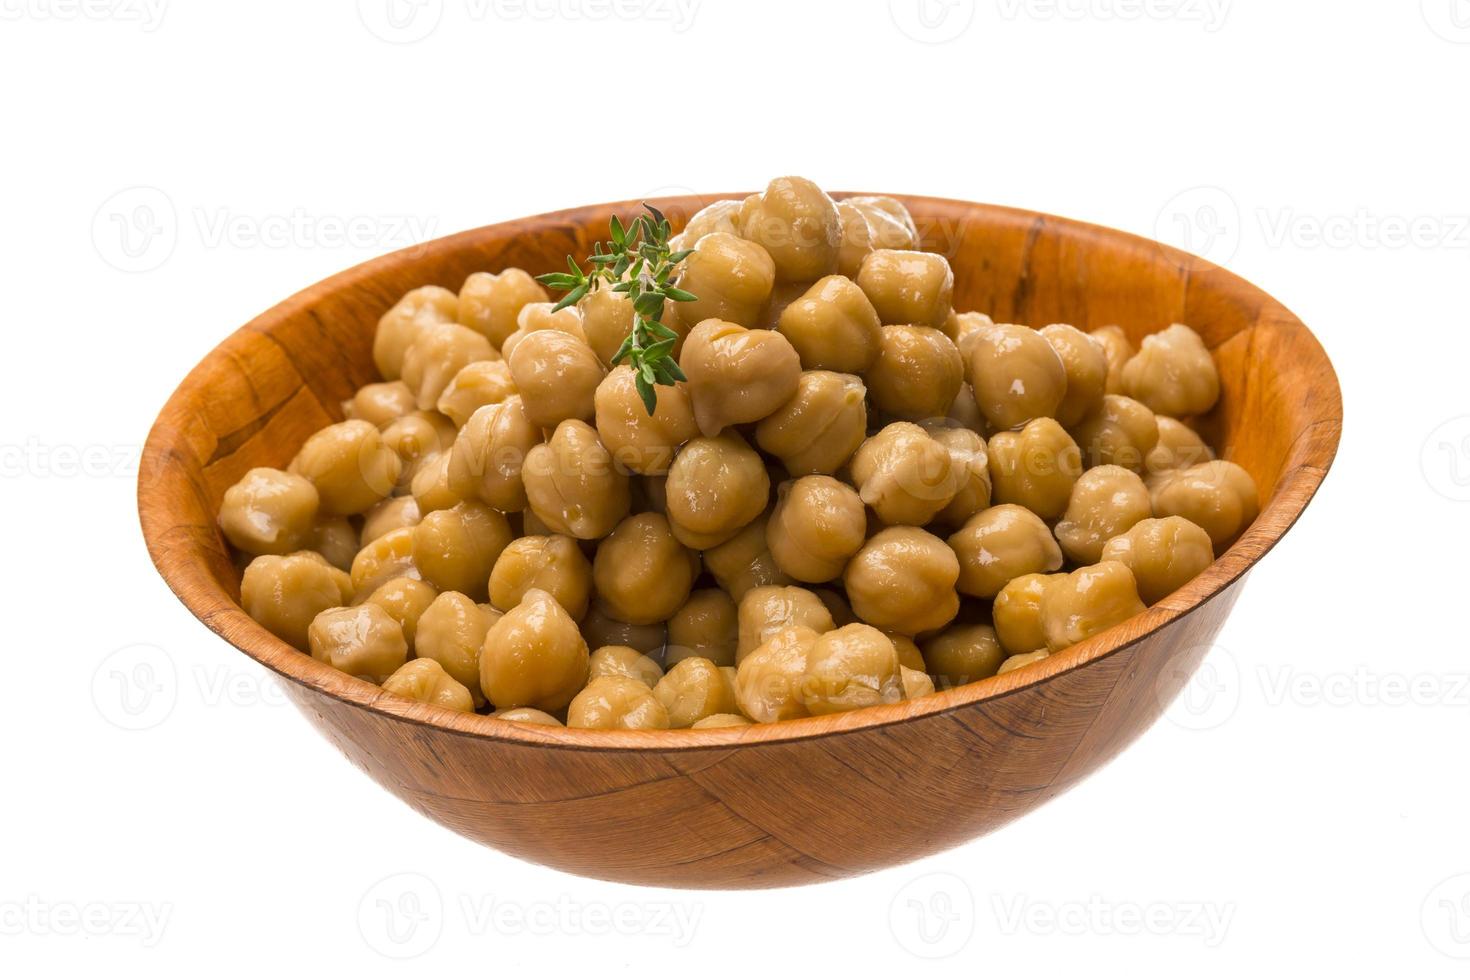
(820, 427)
(1016, 612)
(401, 325)
(431, 488)
(1123, 432)
(903, 579)
(1086, 602)
(732, 279)
(1001, 543)
(336, 540)
(905, 232)
(848, 668)
(694, 689)
(535, 317)
(970, 463)
(908, 286)
(406, 600)
(437, 355)
(1118, 349)
(917, 375)
(1105, 502)
(962, 654)
(284, 593)
(572, 485)
(624, 662)
(965, 329)
(451, 632)
(905, 475)
(456, 549)
(556, 375)
(638, 441)
(349, 465)
(706, 626)
(867, 226)
(768, 682)
(1219, 496)
(1173, 373)
(797, 224)
(418, 438)
(1086, 364)
(916, 683)
(533, 656)
(607, 318)
(1017, 376)
(380, 402)
(389, 515)
(269, 512)
(744, 562)
(833, 327)
(527, 716)
(964, 411)
(488, 456)
(616, 703)
(601, 630)
(476, 385)
(817, 525)
(363, 641)
(424, 680)
(737, 375)
(717, 216)
(1179, 447)
(909, 654)
(384, 558)
(642, 573)
(715, 487)
(489, 303)
(1162, 553)
(1020, 660)
(552, 563)
(765, 611)
(731, 720)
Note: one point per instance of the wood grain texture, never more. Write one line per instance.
(771, 805)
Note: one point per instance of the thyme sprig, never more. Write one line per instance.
(638, 261)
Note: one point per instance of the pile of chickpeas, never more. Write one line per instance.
(859, 495)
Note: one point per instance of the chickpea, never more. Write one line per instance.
(909, 654)
(401, 325)
(852, 667)
(269, 512)
(905, 474)
(1020, 660)
(964, 410)
(607, 318)
(1086, 364)
(624, 662)
(1017, 612)
(1001, 543)
(527, 716)
(1086, 602)
(389, 515)
(1036, 467)
(908, 286)
(557, 376)
(384, 558)
(1122, 432)
(1106, 501)
(818, 524)
(601, 630)
(766, 611)
(1162, 553)
(1179, 447)
(1016, 374)
(552, 563)
(842, 613)
(820, 427)
(1219, 496)
(418, 438)
(833, 327)
(535, 317)
(796, 222)
(363, 641)
(694, 689)
(534, 656)
(970, 463)
(744, 562)
(706, 626)
(477, 384)
(1173, 373)
(866, 227)
(616, 702)
(768, 682)
(572, 484)
(380, 402)
(437, 355)
(718, 216)
(731, 720)
(715, 487)
(903, 579)
(962, 654)
(424, 680)
(899, 230)
(638, 441)
(406, 600)
(452, 632)
(965, 330)
(431, 488)
(733, 279)
(335, 539)
(488, 456)
(455, 549)
(1118, 350)
(917, 375)
(349, 465)
(916, 683)
(284, 593)
(642, 573)
(489, 303)
(737, 375)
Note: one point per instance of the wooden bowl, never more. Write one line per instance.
(799, 801)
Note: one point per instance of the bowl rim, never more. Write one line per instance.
(212, 606)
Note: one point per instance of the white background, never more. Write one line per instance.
(166, 814)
